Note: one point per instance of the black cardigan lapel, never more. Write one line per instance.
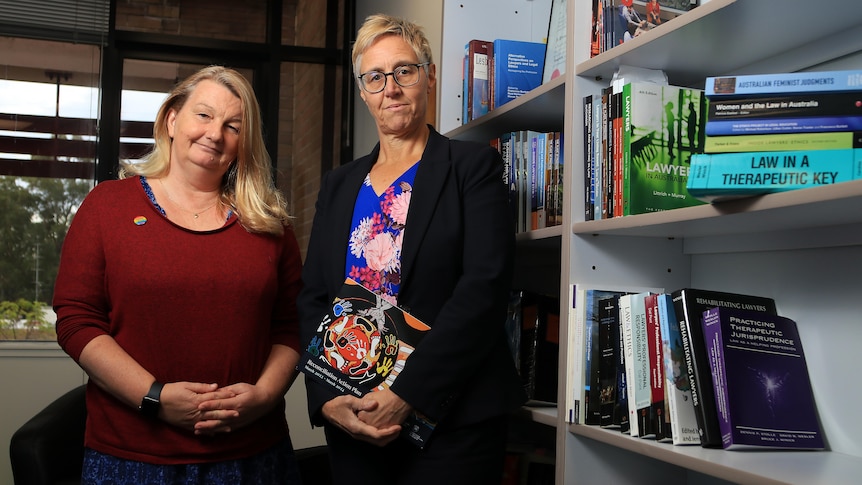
(429, 182)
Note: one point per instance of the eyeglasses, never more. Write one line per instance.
(405, 76)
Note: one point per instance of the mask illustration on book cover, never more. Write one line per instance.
(360, 343)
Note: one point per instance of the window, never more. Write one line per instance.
(48, 136)
(58, 112)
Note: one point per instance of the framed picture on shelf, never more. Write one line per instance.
(555, 52)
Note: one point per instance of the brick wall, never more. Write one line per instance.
(218, 19)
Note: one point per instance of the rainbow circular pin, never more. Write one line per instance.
(140, 220)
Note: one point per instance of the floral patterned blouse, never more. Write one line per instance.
(374, 252)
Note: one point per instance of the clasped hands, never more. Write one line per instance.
(375, 418)
(207, 409)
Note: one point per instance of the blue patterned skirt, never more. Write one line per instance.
(276, 466)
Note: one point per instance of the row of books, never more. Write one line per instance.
(718, 369)
(533, 162)
(496, 72)
(777, 132)
(615, 22)
(639, 138)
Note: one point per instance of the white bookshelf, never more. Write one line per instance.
(802, 248)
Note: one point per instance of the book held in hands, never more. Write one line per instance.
(361, 345)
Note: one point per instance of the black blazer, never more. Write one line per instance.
(456, 273)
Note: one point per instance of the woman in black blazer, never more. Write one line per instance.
(423, 221)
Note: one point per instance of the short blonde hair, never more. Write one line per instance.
(248, 187)
(378, 25)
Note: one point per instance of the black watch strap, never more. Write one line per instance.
(151, 402)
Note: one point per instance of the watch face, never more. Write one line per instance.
(150, 406)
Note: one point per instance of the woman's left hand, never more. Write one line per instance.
(248, 403)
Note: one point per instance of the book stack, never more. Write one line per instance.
(776, 132)
(639, 138)
(533, 172)
(497, 72)
(692, 367)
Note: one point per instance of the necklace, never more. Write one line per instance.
(193, 213)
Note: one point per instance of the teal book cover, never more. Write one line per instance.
(662, 129)
(729, 175)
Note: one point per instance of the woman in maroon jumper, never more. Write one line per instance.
(176, 294)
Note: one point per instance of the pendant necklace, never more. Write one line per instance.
(193, 213)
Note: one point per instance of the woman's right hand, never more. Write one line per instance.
(343, 412)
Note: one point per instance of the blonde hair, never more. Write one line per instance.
(248, 187)
(378, 25)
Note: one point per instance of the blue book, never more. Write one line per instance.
(795, 82)
(518, 69)
(727, 175)
(763, 392)
(802, 124)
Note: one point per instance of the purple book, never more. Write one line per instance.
(763, 393)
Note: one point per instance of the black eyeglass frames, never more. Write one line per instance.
(405, 76)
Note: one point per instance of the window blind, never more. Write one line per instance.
(84, 21)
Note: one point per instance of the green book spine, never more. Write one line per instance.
(774, 142)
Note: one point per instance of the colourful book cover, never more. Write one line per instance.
(682, 419)
(517, 69)
(662, 128)
(689, 305)
(718, 176)
(807, 124)
(794, 82)
(361, 345)
(763, 392)
(795, 105)
(773, 142)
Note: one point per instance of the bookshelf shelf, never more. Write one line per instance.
(543, 415)
(813, 208)
(801, 248)
(792, 246)
(542, 109)
(797, 467)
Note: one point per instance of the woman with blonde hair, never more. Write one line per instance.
(176, 294)
(422, 221)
